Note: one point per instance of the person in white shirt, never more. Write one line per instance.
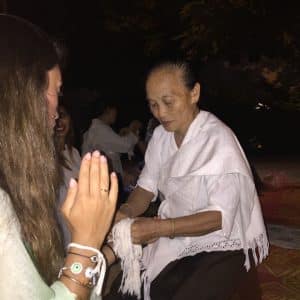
(209, 230)
(101, 136)
(133, 133)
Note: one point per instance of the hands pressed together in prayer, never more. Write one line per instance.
(90, 203)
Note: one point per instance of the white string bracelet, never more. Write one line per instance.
(130, 256)
(99, 269)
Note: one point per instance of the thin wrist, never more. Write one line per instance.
(81, 252)
(167, 228)
(110, 254)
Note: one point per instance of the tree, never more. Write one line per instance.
(256, 35)
(3, 6)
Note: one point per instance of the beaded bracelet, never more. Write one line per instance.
(172, 235)
(96, 274)
(88, 285)
(76, 268)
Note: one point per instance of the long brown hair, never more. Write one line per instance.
(28, 162)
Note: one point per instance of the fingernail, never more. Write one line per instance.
(96, 153)
(72, 182)
(103, 158)
(113, 174)
(87, 156)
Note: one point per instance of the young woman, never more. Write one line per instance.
(31, 261)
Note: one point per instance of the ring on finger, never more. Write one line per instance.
(104, 190)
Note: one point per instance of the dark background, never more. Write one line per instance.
(111, 44)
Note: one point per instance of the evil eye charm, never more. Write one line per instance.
(76, 268)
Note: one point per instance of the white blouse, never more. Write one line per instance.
(208, 172)
(102, 137)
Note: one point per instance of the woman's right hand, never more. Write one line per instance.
(90, 203)
(145, 231)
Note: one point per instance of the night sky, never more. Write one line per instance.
(110, 64)
(96, 57)
(113, 65)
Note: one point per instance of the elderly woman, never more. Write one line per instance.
(31, 261)
(209, 226)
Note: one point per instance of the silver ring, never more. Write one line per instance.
(104, 190)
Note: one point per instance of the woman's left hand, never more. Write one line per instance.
(145, 230)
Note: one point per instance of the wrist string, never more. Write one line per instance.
(93, 258)
(112, 250)
(172, 235)
(100, 267)
(75, 280)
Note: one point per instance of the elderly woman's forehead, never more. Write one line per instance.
(165, 75)
(167, 71)
(165, 80)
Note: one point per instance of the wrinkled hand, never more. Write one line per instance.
(90, 203)
(145, 230)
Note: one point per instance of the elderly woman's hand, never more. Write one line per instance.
(90, 203)
(145, 230)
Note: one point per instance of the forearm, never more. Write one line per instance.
(194, 225)
(137, 203)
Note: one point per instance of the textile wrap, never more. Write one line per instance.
(209, 149)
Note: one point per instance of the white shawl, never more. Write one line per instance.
(209, 148)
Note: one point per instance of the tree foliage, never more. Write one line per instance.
(260, 36)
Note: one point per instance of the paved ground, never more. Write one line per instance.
(279, 274)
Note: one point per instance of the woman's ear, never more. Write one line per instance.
(195, 92)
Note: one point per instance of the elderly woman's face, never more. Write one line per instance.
(52, 93)
(170, 101)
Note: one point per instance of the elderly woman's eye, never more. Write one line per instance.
(168, 103)
(152, 105)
